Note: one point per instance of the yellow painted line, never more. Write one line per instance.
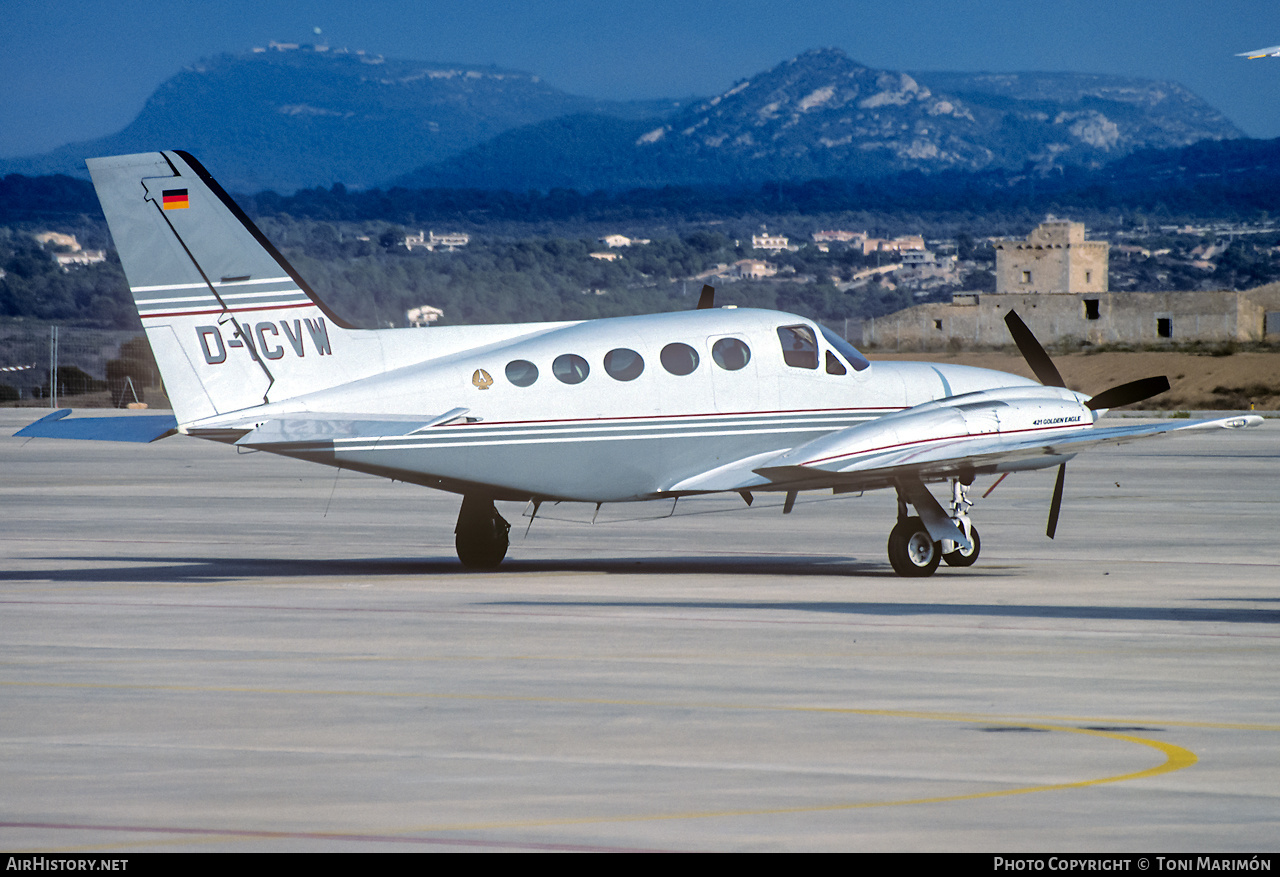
(1175, 757)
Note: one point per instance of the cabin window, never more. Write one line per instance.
(679, 359)
(623, 364)
(521, 372)
(730, 354)
(1091, 311)
(799, 347)
(834, 365)
(845, 349)
(569, 368)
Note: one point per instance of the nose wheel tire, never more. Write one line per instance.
(961, 557)
(912, 551)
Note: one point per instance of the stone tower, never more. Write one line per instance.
(1055, 258)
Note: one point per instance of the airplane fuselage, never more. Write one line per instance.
(610, 410)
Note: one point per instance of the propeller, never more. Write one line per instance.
(1056, 506)
(1134, 391)
(1047, 373)
(1041, 365)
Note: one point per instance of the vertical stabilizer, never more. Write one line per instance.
(231, 323)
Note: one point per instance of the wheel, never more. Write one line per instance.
(961, 557)
(481, 534)
(912, 551)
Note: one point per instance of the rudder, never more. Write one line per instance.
(232, 325)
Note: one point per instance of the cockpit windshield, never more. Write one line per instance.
(847, 350)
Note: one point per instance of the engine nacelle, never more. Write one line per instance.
(934, 425)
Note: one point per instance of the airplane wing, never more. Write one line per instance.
(888, 451)
(940, 459)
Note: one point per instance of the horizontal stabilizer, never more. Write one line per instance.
(310, 429)
(125, 428)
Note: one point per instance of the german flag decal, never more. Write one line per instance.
(175, 199)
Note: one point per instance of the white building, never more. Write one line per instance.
(771, 242)
(423, 316)
(617, 240)
(432, 241)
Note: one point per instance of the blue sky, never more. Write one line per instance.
(76, 69)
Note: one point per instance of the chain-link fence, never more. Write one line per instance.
(91, 368)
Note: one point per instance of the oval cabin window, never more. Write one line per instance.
(569, 368)
(679, 359)
(730, 354)
(521, 372)
(623, 364)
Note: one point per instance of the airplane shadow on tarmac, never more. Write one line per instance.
(204, 570)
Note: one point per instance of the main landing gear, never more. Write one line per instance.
(914, 553)
(481, 533)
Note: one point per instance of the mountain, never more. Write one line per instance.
(291, 117)
(286, 118)
(822, 114)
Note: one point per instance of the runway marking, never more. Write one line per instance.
(1175, 758)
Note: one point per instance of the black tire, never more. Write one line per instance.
(912, 552)
(960, 557)
(481, 535)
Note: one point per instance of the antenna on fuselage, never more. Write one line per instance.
(708, 297)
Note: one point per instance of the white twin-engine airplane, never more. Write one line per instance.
(615, 410)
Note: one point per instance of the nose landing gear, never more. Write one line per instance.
(913, 552)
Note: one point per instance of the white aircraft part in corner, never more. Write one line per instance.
(613, 410)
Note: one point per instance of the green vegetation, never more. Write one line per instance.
(34, 286)
(362, 272)
(529, 258)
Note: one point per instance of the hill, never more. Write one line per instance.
(823, 115)
(304, 117)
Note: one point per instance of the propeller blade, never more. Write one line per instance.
(1134, 391)
(1056, 505)
(708, 297)
(1041, 365)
